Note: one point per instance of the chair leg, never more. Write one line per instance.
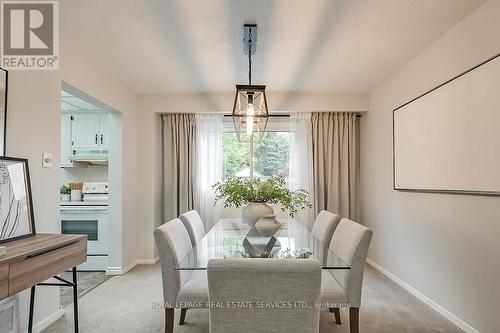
(336, 312)
(183, 316)
(169, 320)
(354, 320)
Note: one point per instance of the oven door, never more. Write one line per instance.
(92, 224)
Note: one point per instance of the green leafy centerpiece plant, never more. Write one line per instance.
(257, 193)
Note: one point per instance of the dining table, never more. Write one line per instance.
(233, 238)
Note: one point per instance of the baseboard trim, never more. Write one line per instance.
(44, 323)
(114, 271)
(435, 306)
(147, 261)
(121, 271)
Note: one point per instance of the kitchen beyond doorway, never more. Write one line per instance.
(91, 196)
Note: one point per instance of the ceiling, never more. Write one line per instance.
(73, 103)
(160, 46)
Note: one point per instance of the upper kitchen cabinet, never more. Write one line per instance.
(84, 138)
(86, 131)
(66, 140)
(104, 138)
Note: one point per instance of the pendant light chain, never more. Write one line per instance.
(250, 57)
(250, 112)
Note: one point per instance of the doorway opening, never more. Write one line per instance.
(90, 188)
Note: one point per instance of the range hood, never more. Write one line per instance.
(90, 159)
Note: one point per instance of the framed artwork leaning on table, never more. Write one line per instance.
(16, 204)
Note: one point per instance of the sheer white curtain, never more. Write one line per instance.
(301, 161)
(209, 161)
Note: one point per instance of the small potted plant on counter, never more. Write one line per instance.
(65, 192)
(256, 194)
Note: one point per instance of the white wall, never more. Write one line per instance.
(277, 101)
(444, 246)
(33, 127)
(93, 173)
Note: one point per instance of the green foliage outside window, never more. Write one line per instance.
(236, 154)
(271, 155)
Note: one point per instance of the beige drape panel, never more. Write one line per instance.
(334, 163)
(179, 164)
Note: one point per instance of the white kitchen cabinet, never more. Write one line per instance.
(104, 138)
(83, 134)
(66, 140)
(86, 131)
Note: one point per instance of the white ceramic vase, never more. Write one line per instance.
(65, 197)
(76, 195)
(254, 211)
(268, 225)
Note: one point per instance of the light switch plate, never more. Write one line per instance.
(47, 160)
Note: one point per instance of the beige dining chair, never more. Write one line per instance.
(181, 288)
(342, 288)
(194, 226)
(264, 295)
(323, 230)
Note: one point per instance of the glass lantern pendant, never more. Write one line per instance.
(250, 112)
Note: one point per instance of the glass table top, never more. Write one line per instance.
(233, 238)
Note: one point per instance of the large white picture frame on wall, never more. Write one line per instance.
(448, 139)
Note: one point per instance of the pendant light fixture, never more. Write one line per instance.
(250, 113)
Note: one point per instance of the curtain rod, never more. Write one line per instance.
(271, 115)
(358, 115)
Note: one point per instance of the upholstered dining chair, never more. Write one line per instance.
(342, 288)
(323, 230)
(264, 295)
(181, 288)
(194, 226)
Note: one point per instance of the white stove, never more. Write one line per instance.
(89, 217)
(95, 187)
(95, 198)
(83, 206)
(95, 192)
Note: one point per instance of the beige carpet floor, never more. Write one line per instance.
(124, 304)
(86, 282)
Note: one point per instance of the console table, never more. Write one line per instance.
(32, 260)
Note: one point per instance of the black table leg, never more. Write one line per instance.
(65, 283)
(32, 304)
(75, 300)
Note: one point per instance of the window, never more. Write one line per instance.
(270, 156)
(236, 156)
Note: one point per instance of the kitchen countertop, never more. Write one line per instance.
(83, 203)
